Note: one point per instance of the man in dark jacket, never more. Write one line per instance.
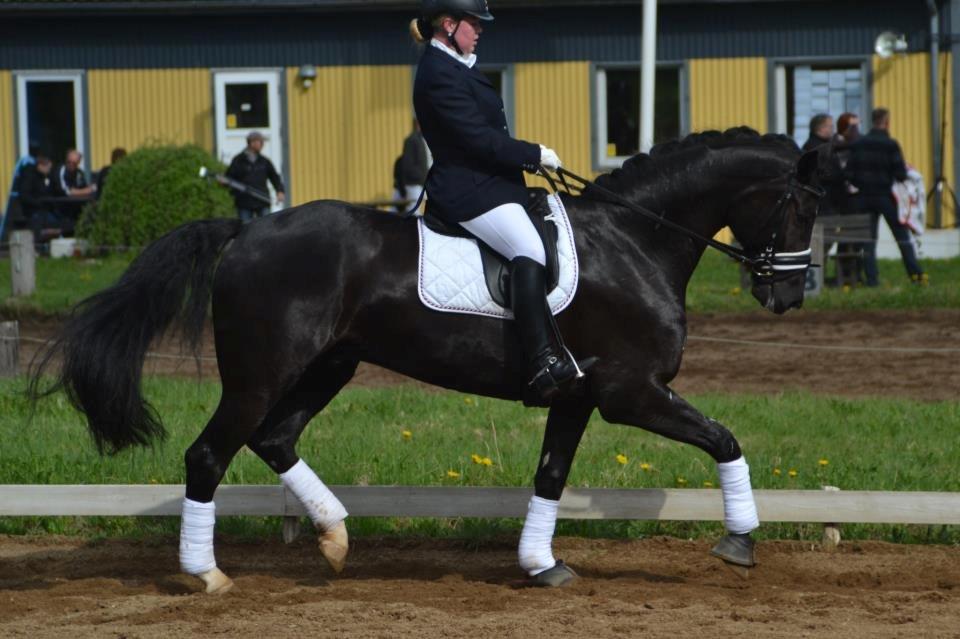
(875, 163)
(253, 169)
(35, 188)
(821, 131)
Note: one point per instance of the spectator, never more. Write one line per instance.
(115, 156)
(253, 169)
(12, 216)
(71, 182)
(35, 190)
(849, 261)
(410, 169)
(821, 131)
(875, 163)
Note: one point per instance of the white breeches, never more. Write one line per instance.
(739, 508)
(509, 232)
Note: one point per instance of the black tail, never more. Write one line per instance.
(104, 341)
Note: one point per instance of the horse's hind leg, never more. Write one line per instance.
(275, 442)
(659, 410)
(235, 419)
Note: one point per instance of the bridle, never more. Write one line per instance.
(766, 263)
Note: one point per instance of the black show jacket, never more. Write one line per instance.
(477, 166)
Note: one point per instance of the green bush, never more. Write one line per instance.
(152, 191)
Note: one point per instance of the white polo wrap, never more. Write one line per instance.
(322, 506)
(536, 551)
(739, 508)
(196, 537)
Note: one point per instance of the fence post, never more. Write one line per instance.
(9, 349)
(817, 256)
(23, 263)
(831, 531)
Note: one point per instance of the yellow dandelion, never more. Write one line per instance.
(645, 467)
(452, 474)
(85, 276)
(792, 472)
(708, 484)
(681, 481)
(406, 434)
(622, 459)
(477, 459)
(846, 288)
(735, 290)
(824, 462)
(469, 401)
(486, 461)
(777, 472)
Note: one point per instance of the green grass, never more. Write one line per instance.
(869, 444)
(714, 288)
(61, 283)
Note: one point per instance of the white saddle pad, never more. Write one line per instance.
(451, 274)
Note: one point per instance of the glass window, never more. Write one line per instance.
(807, 90)
(618, 114)
(248, 106)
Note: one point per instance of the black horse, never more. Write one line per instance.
(300, 298)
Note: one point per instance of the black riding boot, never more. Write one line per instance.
(549, 368)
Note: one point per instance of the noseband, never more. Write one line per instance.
(766, 263)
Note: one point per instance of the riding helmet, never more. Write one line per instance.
(478, 8)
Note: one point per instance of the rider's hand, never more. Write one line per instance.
(549, 158)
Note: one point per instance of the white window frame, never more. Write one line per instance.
(78, 78)
(598, 74)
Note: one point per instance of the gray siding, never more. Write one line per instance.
(787, 29)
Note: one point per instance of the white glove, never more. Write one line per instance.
(549, 158)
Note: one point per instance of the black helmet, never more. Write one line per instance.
(477, 8)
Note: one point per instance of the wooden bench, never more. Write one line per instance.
(850, 232)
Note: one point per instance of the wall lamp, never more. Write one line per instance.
(307, 74)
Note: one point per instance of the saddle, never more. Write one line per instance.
(496, 268)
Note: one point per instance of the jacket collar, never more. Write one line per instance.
(468, 61)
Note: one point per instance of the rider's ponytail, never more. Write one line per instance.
(420, 30)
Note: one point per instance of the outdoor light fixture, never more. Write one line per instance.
(307, 74)
(888, 43)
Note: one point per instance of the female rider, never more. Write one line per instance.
(477, 175)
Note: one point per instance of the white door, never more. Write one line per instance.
(50, 114)
(246, 101)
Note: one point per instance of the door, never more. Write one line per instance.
(247, 101)
(50, 114)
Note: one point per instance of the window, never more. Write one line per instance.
(804, 90)
(502, 80)
(50, 113)
(618, 111)
(248, 106)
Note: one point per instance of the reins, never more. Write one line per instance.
(764, 263)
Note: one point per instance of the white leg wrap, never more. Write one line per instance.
(324, 509)
(536, 552)
(196, 537)
(739, 509)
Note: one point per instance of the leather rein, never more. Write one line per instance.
(765, 263)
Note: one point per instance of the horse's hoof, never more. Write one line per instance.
(560, 575)
(334, 545)
(217, 582)
(737, 553)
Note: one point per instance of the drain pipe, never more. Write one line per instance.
(935, 110)
(648, 74)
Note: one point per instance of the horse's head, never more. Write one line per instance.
(774, 221)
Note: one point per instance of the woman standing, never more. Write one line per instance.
(477, 176)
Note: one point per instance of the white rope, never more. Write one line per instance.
(722, 340)
(819, 347)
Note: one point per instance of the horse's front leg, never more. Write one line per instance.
(566, 422)
(661, 411)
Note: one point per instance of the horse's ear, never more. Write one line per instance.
(807, 166)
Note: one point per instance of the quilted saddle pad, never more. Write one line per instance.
(451, 278)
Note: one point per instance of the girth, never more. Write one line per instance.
(496, 268)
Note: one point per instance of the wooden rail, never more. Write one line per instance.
(809, 506)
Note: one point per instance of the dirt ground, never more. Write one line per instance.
(53, 587)
(649, 588)
(727, 367)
